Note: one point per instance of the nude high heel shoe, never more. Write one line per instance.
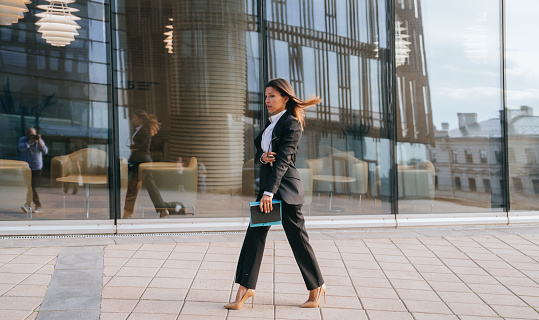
(238, 305)
(313, 302)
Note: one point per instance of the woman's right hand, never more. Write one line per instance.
(268, 157)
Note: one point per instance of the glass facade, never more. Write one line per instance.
(427, 106)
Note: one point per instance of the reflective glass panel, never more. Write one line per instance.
(193, 66)
(54, 112)
(522, 82)
(338, 53)
(449, 101)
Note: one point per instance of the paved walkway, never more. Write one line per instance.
(428, 273)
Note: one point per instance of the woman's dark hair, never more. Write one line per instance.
(294, 105)
(148, 120)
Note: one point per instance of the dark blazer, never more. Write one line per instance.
(140, 146)
(283, 179)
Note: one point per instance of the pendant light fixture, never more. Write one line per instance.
(169, 40)
(402, 49)
(12, 10)
(57, 24)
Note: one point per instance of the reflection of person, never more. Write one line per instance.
(32, 148)
(276, 148)
(146, 126)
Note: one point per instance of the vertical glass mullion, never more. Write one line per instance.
(503, 118)
(114, 149)
(392, 90)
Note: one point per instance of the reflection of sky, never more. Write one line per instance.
(462, 45)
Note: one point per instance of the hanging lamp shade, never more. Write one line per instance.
(402, 49)
(12, 10)
(169, 39)
(57, 24)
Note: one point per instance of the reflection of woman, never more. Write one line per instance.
(276, 147)
(146, 126)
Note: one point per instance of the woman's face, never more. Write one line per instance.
(136, 120)
(275, 102)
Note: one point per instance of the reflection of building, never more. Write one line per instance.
(467, 161)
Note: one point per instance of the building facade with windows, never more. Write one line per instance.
(426, 118)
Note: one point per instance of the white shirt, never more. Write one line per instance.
(266, 138)
(136, 131)
(267, 134)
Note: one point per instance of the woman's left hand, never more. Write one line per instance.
(265, 204)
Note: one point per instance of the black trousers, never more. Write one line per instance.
(36, 181)
(255, 240)
(132, 191)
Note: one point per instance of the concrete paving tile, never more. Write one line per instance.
(172, 283)
(47, 269)
(212, 274)
(193, 247)
(145, 263)
(129, 281)
(13, 278)
(160, 255)
(291, 278)
(362, 265)
(386, 315)
(427, 306)
(37, 279)
(371, 282)
(259, 311)
(114, 262)
(296, 313)
(489, 288)
(383, 304)
(197, 256)
(520, 281)
(403, 275)
(459, 263)
(122, 292)
(208, 295)
(25, 268)
(126, 247)
(19, 303)
(191, 264)
(340, 314)
(32, 316)
(397, 266)
(433, 316)
(424, 268)
(166, 247)
(367, 273)
(164, 294)
(203, 308)
(158, 306)
(110, 271)
(15, 314)
(357, 257)
(418, 295)
(330, 263)
(176, 273)
(4, 287)
(153, 316)
(212, 284)
(525, 291)
(410, 284)
(471, 309)
(460, 297)
(221, 257)
(113, 316)
(503, 300)
(197, 317)
(339, 302)
(118, 305)
(13, 251)
(33, 259)
(449, 286)
(442, 277)
(68, 315)
(532, 301)
(380, 293)
(281, 287)
(468, 278)
(136, 272)
(516, 311)
(119, 253)
(4, 258)
(338, 280)
(23, 290)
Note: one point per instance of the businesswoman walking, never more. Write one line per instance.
(276, 148)
(146, 126)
